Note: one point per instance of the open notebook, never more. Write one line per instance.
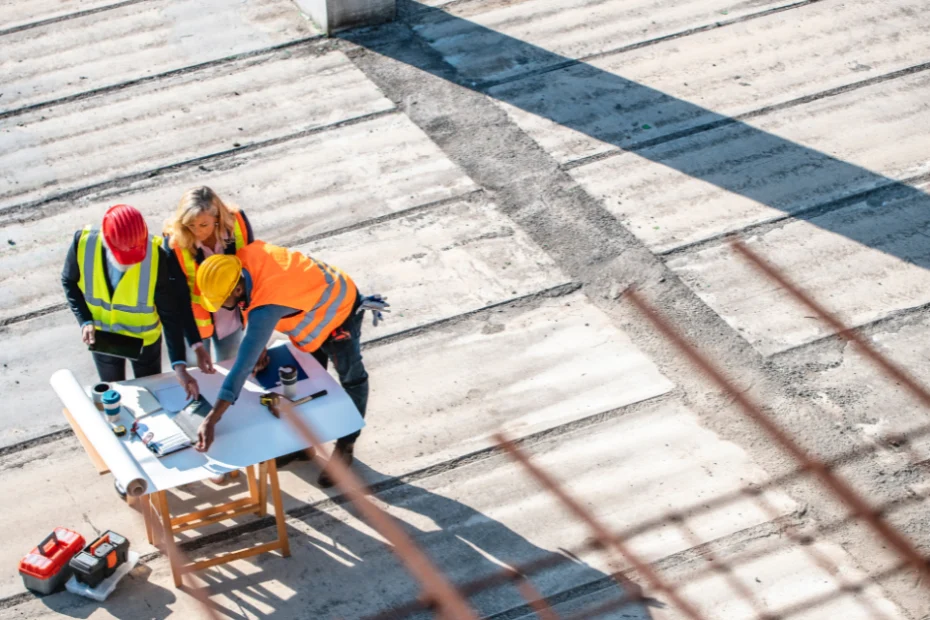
(163, 432)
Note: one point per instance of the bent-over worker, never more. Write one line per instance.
(316, 305)
(118, 279)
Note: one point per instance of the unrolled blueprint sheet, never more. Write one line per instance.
(247, 433)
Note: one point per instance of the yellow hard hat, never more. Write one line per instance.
(216, 279)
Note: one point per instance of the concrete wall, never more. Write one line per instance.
(335, 15)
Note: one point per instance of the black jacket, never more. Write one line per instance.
(190, 324)
(170, 292)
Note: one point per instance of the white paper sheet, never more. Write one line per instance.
(172, 398)
(137, 399)
(90, 419)
(247, 433)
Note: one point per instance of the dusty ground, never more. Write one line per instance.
(503, 171)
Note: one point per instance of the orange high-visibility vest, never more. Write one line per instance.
(189, 265)
(323, 294)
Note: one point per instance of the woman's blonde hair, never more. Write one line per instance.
(196, 202)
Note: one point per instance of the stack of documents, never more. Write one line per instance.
(161, 434)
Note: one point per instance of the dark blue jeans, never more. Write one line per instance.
(344, 348)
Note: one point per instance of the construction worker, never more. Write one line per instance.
(316, 305)
(119, 279)
(203, 225)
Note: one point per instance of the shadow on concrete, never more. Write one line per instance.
(337, 569)
(758, 165)
(136, 586)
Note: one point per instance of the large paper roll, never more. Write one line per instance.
(121, 464)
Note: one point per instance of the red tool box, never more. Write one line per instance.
(45, 568)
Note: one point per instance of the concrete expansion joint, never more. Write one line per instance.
(315, 45)
(32, 315)
(750, 542)
(523, 301)
(635, 46)
(25, 209)
(752, 114)
(69, 16)
(476, 196)
(894, 321)
(881, 195)
(63, 433)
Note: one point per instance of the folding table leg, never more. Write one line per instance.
(250, 473)
(162, 499)
(148, 518)
(263, 488)
(278, 508)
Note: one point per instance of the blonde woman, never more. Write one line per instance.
(202, 226)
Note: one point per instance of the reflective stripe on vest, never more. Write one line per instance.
(188, 262)
(334, 280)
(131, 309)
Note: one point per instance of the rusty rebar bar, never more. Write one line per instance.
(607, 538)
(844, 332)
(179, 559)
(448, 601)
(839, 487)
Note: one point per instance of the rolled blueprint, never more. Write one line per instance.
(121, 464)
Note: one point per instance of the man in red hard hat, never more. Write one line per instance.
(118, 279)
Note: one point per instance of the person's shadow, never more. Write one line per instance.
(468, 546)
(340, 570)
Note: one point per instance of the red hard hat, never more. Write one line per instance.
(126, 234)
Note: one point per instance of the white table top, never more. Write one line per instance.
(248, 433)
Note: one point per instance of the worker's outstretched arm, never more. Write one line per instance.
(261, 324)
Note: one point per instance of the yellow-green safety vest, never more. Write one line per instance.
(131, 309)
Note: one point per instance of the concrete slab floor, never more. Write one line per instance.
(776, 580)
(792, 160)
(20, 13)
(607, 457)
(486, 40)
(290, 192)
(131, 131)
(861, 399)
(788, 579)
(105, 48)
(621, 100)
(863, 262)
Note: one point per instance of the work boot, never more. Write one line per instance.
(287, 459)
(343, 452)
